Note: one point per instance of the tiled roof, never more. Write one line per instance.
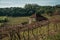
(33, 16)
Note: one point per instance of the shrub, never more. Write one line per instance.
(3, 19)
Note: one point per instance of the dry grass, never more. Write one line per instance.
(40, 33)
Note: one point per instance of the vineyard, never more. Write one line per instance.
(43, 30)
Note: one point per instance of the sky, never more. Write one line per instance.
(21, 3)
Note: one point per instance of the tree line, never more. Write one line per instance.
(28, 10)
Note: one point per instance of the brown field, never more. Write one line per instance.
(43, 32)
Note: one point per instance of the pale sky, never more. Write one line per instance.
(21, 3)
